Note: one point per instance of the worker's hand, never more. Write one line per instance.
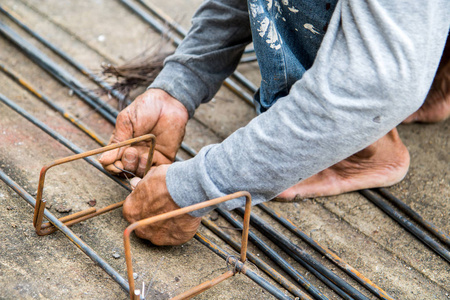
(154, 112)
(150, 198)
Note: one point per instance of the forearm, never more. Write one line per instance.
(373, 69)
(209, 54)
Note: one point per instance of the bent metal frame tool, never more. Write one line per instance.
(48, 227)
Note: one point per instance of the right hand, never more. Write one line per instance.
(155, 112)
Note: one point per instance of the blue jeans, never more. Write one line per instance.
(286, 35)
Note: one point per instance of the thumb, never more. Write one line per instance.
(134, 182)
(122, 132)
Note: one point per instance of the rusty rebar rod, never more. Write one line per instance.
(61, 139)
(179, 212)
(330, 279)
(361, 279)
(67, 232)
(272, 254)
(40, 204)
(101, 83)
(415, 216)
(302, 257)
(406, 224)
(247, 272)
(235, 88)
(280, 279)
(58, 73)
(41, 96)
(77, 241)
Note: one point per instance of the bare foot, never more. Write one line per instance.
(382, 164)
(437, 104)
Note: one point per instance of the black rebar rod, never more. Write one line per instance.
(406, 224)
(235, 88)
(367, 283)
(415, 216)
(249, 273)
(67, 232)
(303, 257)
(101, 83)
(272, 254)
(182, 32)
(280, 279)
(74, 148)
(49, 102)
(262, 282)
(60, 74)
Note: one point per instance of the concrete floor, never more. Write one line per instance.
(51, 267)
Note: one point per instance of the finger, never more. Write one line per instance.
(114, 169)
(129, 211)
(143, 158)
(130, 159)
(160, 159)
(134, 181)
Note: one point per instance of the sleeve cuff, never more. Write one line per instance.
(182, 84)
(188, 183)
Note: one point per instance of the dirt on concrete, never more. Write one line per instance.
(51, 267)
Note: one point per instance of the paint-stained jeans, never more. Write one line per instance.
(286, 35)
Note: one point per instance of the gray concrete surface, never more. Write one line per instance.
(51, 267)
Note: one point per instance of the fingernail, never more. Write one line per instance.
(130, 157)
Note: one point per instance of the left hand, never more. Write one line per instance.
(150, 198)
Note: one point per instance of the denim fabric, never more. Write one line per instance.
(286, 35)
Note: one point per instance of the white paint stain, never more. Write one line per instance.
(272, 38)
(269, 4)
(311, 28)
(277, 5)
(263, 27)
(285, 2)
(293, 9)
(256, 10)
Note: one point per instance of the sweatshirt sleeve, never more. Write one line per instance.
(208, 55)
(373, 69)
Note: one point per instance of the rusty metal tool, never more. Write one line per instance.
(67, 232)
(360, 278)
(83, 215)
(280, 279)
(240, 267)
(282, 263)
(202, 287)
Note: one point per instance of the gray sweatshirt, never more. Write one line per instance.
(373, 69)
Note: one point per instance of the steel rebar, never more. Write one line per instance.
(415, 216)
(235, 88)
(67, 232)
(249, 273)
(301, 256)
(71, 146)
(406, 224)
(282, 263)
(182, 32)
(58, 73)
(101, 83)
(51, 103)
(256, 261)
(361, 279)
